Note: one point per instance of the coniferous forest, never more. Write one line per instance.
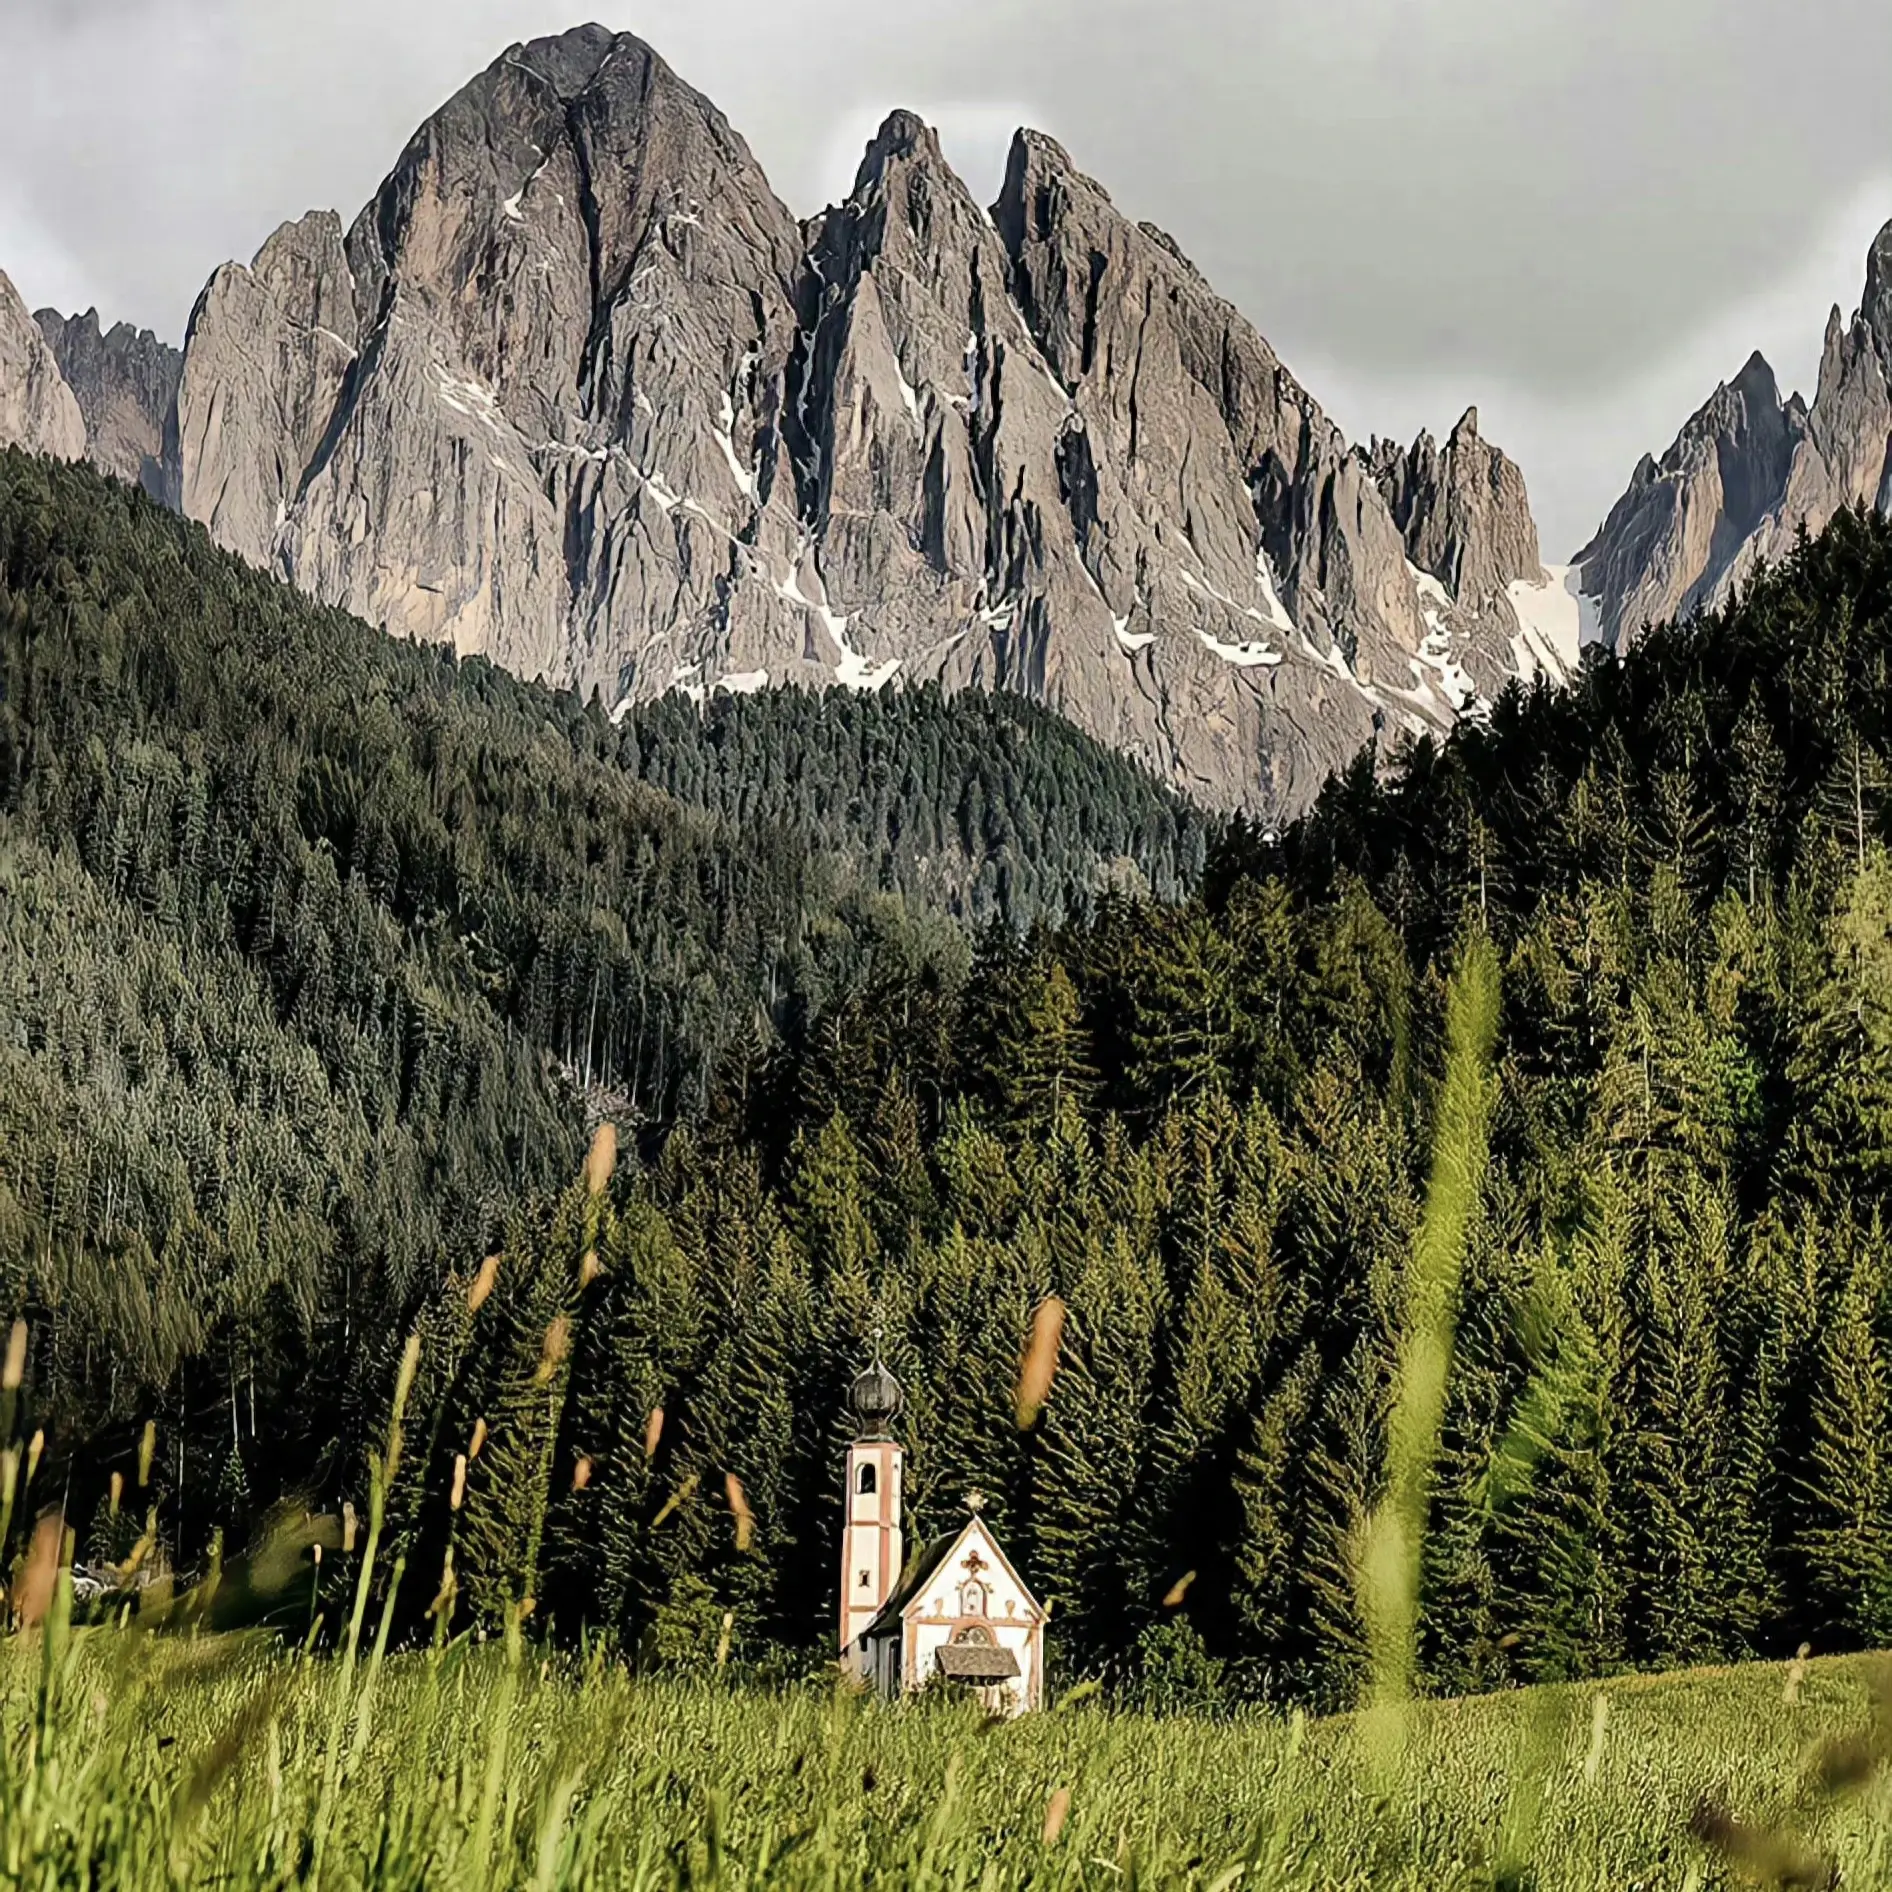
(322, 956)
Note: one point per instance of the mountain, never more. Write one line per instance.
(1747, 472)
(125, 382)
(37, 409)
(577, 393)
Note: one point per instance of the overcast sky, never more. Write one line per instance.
(1580, 214)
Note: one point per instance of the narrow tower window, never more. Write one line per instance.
(868, 1480)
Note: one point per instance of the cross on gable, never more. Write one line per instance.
(975, 1563)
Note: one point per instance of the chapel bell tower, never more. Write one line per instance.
(870, 1537)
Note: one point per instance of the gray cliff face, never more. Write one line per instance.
(1463, 511)
(1748, 471)
(125, 381)
(38, 411)
(578, 393)
(265, 360)
(1255, 583)
(522, 408)
(1465, 517)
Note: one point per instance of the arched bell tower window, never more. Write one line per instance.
(868, 1481)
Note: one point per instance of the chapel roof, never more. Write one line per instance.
(913, 1579)
(977, 1662)
(921, 1568)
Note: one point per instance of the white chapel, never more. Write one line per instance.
(956, 1611)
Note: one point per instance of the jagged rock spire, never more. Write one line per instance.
(577, 392)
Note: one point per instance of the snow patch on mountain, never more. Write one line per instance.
(1555, 621)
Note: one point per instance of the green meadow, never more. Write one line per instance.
(134, 1760)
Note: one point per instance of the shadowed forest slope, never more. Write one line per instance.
(318, 961)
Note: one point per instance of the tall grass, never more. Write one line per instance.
(1391, 1552)
(204, 1763)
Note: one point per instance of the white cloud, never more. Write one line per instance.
(42, 269)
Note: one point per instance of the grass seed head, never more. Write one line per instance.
(118, 1491)
(1599, 1727)
(483, 1284)
(552, 1354)
(1057, 1811)
(404, 1380)
(581, 1474)
(1040, 1364)
(41, 1575)
(1796, 1675)
(141, 1550)
(677, 1500)
(739, 1504)
(589, 1269)
(1173, 1597)
(602, 1160)
(653, 1431)
(458, 1496)
(449, 1587)
(478, 1440)
(13, 1374)
(35, 1449)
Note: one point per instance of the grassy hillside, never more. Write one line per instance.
(223, 1763)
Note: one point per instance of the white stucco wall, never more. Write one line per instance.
(945, 1608)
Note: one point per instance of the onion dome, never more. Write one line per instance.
(876, 1400)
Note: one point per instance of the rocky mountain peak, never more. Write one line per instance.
(1747, 471)
(125, 381)
(1464, 514)
(1757, 384)
(576, 391)
(902, 134)
(1877, 306)
(38, 411)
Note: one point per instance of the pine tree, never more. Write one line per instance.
(1847, 1540)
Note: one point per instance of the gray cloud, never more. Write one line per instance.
(1565, 209)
